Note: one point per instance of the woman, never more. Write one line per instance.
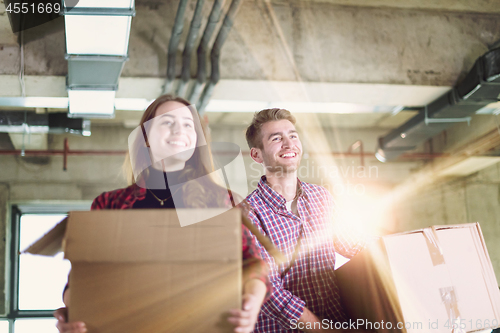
(171, 166)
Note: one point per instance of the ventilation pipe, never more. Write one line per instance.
(196, 91)
(215, 56)
(173, 44)
(188, 48)
(480, 87)
(201, 76)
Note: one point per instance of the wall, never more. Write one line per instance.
(295, 40)
(43, 178)
(475, 198)
(470, 199)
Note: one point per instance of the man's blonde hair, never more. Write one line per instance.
(253, 134)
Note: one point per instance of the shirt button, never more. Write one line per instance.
(319, 293)
(314, 270)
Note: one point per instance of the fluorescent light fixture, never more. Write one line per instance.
(35, 102)
(487, 110)
(96, 34)
(104, 4)
(492, 108)
(91, 103)
(24, 129)
(86, 128)
(470, 165)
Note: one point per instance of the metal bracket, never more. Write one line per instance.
(96, 57)
(446, 120)
(101, 11)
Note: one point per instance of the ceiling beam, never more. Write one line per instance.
(242, 93)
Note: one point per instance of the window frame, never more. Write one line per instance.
(13, 226)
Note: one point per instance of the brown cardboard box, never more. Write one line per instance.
(140, 271)
(429, 280)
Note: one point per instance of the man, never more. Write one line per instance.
(297, 217)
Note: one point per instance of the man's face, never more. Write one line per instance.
(282, 149)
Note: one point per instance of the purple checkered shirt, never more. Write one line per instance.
(311, 280)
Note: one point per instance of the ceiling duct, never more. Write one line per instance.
(480, 87)
(97, 38)
(52, 123)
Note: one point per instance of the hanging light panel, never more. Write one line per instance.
(91, 103)
(97, 37)
(97, 34)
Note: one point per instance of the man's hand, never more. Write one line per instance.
(63, 326)
(244, 320)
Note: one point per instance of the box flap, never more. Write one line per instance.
(437, 227)
(430, 294)
(145, 235)
(51, 243)
(465, 271)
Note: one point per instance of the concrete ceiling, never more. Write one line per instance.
(358, 44)
(316, 41)
(478, 6)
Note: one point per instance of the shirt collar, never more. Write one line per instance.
(273, 198)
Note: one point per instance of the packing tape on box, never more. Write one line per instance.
(434, 247)
(448, 295)
(449, 298)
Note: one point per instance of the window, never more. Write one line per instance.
(35, 283)
(41, 279)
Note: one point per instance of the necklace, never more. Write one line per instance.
(162, 201)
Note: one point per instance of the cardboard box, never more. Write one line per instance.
(429, 280)
(140, 271)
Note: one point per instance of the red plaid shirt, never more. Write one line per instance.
(311, 280)
(253, 265)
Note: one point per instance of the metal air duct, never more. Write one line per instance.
(480, 87)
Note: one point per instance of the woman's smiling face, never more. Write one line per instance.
(172, 135)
